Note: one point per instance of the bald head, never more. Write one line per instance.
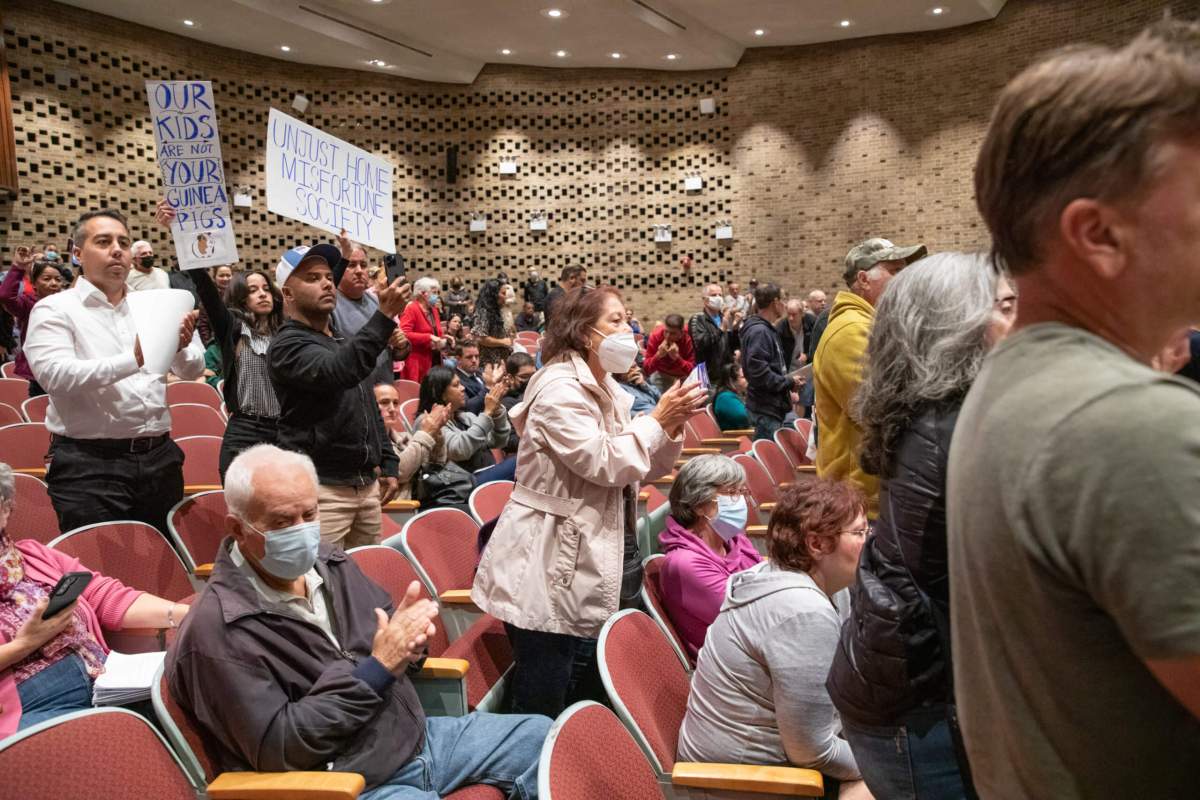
(816, 301)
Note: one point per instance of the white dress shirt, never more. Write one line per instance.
(154, 279)
(80, 349)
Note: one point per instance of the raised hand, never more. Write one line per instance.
(436, 418)
(398, 641)
(23, 258)
(677, 405)
(491, 401)
(394, 298)
(164, 213)
(186, 327)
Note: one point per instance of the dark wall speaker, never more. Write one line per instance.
(452, 163)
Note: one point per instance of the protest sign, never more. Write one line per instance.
(320, 180)
(184, 118)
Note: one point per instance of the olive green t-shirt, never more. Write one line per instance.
(1074, 539)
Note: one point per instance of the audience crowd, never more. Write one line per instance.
(990, 587)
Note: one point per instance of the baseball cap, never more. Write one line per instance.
(298, 255)
(870, 252)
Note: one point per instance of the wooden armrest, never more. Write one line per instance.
(749, 778)
(756, 530)
(739, 432)
(203, 570)
(286, 786)
(807, 468)
(701, 451)
(444, 668)
(643, 496)
(37, 472)
(457, 597)
(719, 441)
(402, 505)
(665, 481)
(196, 488)
(766, 506)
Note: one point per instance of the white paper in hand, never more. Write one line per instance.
(126, 678)
(157, 314)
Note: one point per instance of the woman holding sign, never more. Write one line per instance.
(243, 329)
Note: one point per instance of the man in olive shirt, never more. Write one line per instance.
(1074, 472)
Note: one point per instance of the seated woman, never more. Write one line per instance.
(467, 439)
(47, 666)
(758, 695)
(705, 542)
(729, 396)
(413, 449)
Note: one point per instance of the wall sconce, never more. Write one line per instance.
(724, 230)
(243, 197)
(508, 166)
(537, 221)
(478, 223)
(662, 233)
(692, 182)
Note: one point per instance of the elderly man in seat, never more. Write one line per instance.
(291, 659)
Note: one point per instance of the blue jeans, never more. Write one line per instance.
(764, 425)
(915, 759)
(500, 750)
(59, 689)
(506, 470)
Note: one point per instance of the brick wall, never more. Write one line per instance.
(811, 148)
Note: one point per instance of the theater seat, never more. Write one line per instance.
(762, 488)
(25, 447)
(442, 544)
(776, 463)
(10, 415)
(201, 463)
(652, 599)
(648, 686)
(588, 754)
(196, 525)
(196, 419)
(33, 514)
(487, 500)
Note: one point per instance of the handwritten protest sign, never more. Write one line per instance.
(327, 183)
(189, 157)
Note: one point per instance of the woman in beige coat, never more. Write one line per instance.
(563, 557)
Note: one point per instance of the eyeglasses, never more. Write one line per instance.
(860, 532)
(735, 493)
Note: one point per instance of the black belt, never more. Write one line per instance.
(140, 444)
(256, 418)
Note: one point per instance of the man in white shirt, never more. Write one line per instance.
(736, 300)
(111, 452)
(144, 274)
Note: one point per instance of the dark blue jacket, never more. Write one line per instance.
(765, 367)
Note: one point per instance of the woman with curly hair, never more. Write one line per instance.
(494, 325)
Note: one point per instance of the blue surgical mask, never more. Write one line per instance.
(731, 516)
(433, 299)
(292, 551)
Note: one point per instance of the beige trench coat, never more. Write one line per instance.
(553, 562)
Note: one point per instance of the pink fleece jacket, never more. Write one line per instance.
(104, 603)
(693, 579)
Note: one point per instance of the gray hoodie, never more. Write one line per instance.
(758, 695)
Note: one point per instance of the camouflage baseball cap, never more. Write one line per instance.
(870, 252)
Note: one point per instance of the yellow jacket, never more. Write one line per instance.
(837, 370)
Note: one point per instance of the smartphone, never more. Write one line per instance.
(394, 264)
(66, 591)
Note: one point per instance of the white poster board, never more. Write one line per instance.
(188, 146)
(157, 314)
(322, 181)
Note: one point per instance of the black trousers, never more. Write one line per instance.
(551, 671)
(242, 433)
(91, 482)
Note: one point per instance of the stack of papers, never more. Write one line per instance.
(126, 678)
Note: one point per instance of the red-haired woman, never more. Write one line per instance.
(758, 695)
(563, 557)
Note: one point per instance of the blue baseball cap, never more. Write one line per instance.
(293, 258)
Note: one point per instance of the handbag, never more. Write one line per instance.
(443, 485)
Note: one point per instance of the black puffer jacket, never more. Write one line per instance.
(894, 653)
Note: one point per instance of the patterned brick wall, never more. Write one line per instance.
(811, 148)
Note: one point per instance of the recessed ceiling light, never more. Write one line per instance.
(672, 56)
(506, 52)
(285, 48)
(189, 23)
(614, 55)
(937, 11)
(561, 53)
(554, 13)
(759, 32)
(845, 23)
(377, 62)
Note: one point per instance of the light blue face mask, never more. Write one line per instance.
(292, 551)
(433, 299)
(731, 516)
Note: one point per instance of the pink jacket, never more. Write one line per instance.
(104, 603)
(693, 579)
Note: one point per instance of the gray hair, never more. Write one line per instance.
(8, 483)
(425, 285)
(927, 343)
(137, 245)
(698, 481)
(239, 478)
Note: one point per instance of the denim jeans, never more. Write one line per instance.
(915, 759)
(506, 470)
(765, 425)
(59, 689)
(551, 671)
(501, 750)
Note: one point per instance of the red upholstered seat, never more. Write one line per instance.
(132, 552)
(197, 524)
(654, 498)
(8, 369)
(10, 415)
(25, 446)
(776, 463)
(192, 392)
(35, 408)
(794, 445)
(393, 572)
(803, 427)
(33, 514)
(761, 486)
(408, 390)
(476, 792)
(201, 460)
(100, 754)
(408, 412)
(192, 747)
(443, 542)
(196, 419)
(589, 754)
(652, 593)
(488, 500)
(14, 391)
(643, 674)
